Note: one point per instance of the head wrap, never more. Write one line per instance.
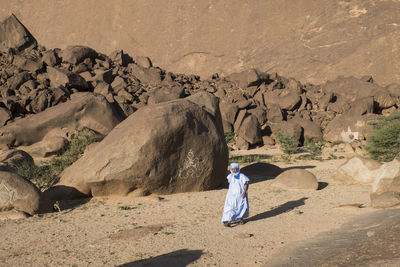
(237, 174)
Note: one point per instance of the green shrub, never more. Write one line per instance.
(287, 141)
(286, 158)
(332, 156)
(74, 151)
(41, 176)
(247, 158)
(384, 142)
(229, 136)
(314, 146)
(47, 175)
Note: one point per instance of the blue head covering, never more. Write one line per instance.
(237, 174)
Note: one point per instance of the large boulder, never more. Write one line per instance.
(65, 78)
(290, 127)
(311, 130)
(50, 57)
(385, 175)
(120, 58)
(24, 63)
(5, 116)
(393, 89)
(15, 82)
(239, 119)
(357, 170)
(11, 159)
(285, 98)
(260, 113)
(85, 110)
(362, 106)
(228, 113)
(103, 76)
(384, 99)
(151, 76)
(18, 193)
(348, 127)
(164, 94)
(50, 145)
(386, 186)
(247, 78)
(274, 113)
(385, 200)
(210, 103)
(14, 35)
(295, 179)
(319, 99)
(76, 54)
(250, 130)
(340, 105)
(144, 62)
(170, 147)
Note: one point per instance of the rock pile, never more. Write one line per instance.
(337, 111)
(46, 93)
(254, 105)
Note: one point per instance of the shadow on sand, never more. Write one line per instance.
(60, 197)
(322, 185)
(261, 171)
(288, 206)
(179, 258)
(299, 167)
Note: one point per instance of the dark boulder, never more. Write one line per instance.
(60, 77)
(76, 54)
(182, 149)
(14, 35)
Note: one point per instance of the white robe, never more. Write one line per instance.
(236, 207)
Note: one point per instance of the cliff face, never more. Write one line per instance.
(311, 40)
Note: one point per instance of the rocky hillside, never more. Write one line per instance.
(254, 104)
(312, 41)
(149, 119)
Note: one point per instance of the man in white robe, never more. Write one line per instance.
(236, 203)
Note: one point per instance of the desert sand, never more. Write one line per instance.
(183, 229)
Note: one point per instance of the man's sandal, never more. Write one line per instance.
(228, 224)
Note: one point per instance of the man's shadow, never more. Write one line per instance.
(178, 258)
(288, 206)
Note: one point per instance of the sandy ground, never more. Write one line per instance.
(182, 229)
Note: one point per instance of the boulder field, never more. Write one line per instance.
(254, 104)
(162, 132)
